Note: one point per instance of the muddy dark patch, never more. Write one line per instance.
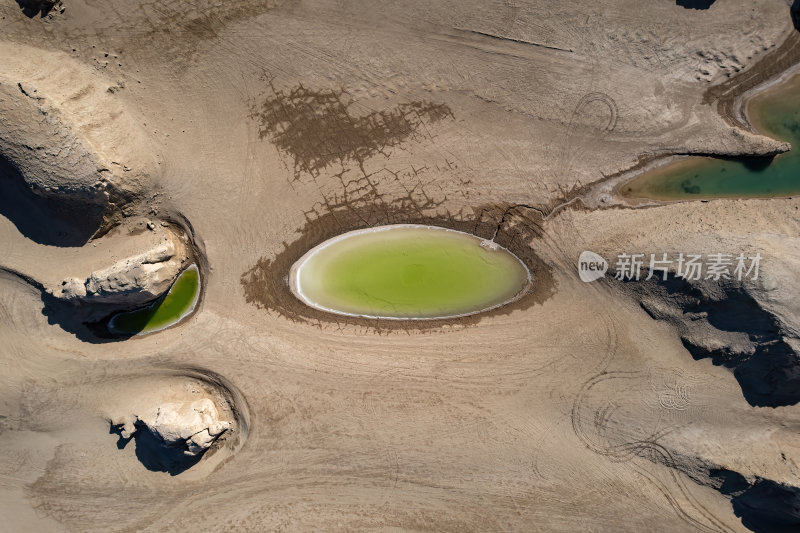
(266, 284)
(317, 129)
(181, 29)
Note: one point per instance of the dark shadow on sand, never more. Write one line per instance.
(49, 221)
(695, 4)
(763, 505)
(153, 453)
(769, 507)
(72, 318)
(31, 8)
(768, 377)
(795, 13)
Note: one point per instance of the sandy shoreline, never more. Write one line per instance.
(670, 162)
(758, 79)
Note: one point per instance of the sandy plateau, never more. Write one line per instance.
(138, 138)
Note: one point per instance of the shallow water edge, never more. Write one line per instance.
(144, 316)
(773, 110)
(295, 283)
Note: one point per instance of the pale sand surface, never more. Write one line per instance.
(574, 410)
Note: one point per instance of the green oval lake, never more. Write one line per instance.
(408, 272)
(776, 113)
(178, 303)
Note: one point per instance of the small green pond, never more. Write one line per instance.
(408, 272)
(178, 303)
(776, 113)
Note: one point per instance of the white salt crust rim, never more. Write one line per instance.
(297, 291)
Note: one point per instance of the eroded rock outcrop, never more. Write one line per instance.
(739, 143)
(50, 157)
(183, 421)
(192, 427)
(133, 281)
(728, 322)
(65, 134)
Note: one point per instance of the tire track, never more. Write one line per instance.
(597, 437)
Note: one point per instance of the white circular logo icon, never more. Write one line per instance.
(591, 266)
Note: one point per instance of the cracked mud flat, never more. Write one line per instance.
(255, 131)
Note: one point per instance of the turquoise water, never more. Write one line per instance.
(775, 113)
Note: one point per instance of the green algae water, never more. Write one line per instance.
(170, 309)
(776, 113)
(408, 272)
